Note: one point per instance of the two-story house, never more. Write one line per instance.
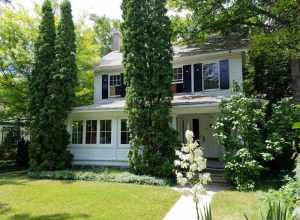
(202, 76)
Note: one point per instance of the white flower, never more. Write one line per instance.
(189, 135)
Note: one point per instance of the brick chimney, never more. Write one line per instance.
(116, 40)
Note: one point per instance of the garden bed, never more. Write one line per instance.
(99, 175)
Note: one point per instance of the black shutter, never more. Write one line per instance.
(104, 86)
(224, 74)
(187, 78)
(198, 77)
(123, 87)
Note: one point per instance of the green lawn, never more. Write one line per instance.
(26, 199)
(232, 205)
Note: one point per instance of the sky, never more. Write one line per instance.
(109, 8)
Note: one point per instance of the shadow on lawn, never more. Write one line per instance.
(4, 208)
(62, 216)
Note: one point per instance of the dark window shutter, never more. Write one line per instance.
(104, 86)
(198, 77)
(123, 86)
(224, 74)
(187, 78)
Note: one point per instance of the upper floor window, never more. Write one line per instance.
(91, 132)
(77, 131)
(105, 131)
(211, 76)
(178, 75)
(115, 85)
(124, 132)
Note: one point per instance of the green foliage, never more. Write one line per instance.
(253, 140)
(276, 211)
(269, 73)
(242, 169)
(146, 35)
(206, 213)
(40, 78)
(103, 28)
(280, 135)
(98, 175)
(17, 34)
(288, 194)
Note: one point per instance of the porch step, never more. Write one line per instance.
(215, 168)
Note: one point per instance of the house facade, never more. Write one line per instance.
(202, 76)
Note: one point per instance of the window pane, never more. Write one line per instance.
(108, 138)
(91, 132)
(108, 125)
(123, 125)
(211, 76)
(77, 129)
(102, 125)
(102, 137)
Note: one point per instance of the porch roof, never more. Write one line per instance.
(178, 100)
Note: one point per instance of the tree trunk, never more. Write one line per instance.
(295, 71)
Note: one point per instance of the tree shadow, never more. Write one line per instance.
(4, 208)
(59, 216)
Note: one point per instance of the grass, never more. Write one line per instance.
(232, 205)
(22, 198)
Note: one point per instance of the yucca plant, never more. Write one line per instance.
(275, 211)
(206, 213)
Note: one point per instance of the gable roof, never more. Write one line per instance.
(214, 44)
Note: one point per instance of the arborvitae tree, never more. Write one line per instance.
(43, 68)
(62, 90)
(148, 75)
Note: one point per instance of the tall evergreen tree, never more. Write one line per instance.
(43, 68)
(62, 90)
(148, 75)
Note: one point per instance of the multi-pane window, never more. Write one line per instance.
(124, 132)
(105, 131)
(114, 85)
(178, 75)
(211, 76)
(91, 132)
(77, 131)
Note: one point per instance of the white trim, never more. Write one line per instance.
(120, 145)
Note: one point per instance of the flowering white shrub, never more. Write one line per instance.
(190, 167)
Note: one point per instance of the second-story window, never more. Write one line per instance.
(177, 82)
(115, 89)
(211, 76)
(177, 75)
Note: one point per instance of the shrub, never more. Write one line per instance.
(98, 175)
(242, 169)
(288, 194)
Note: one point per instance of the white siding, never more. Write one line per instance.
(97, 88)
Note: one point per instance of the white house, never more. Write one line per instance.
(203, 76)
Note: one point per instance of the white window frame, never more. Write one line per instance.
(177, 81)
(85, 130)
(72, 133)
(109, 76)
(219, 76)
(111, 132)
(120, 131)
